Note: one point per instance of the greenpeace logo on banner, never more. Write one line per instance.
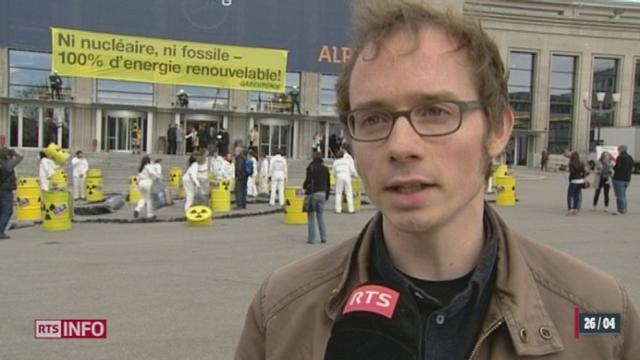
(373, 298)
(70, 329)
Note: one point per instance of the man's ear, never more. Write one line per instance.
(497, 140)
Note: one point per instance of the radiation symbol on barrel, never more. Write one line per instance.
(133, 180)
(93, 187)
(173, 176)
(225, 185)
(198, 213)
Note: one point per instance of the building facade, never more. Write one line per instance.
(559, 55)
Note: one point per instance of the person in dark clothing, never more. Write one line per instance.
(222, 141)
(203, 137)
(183, 98)
(316, 184)
(621, 178)
(241, 178)
(294, 94)
(577, 175)
(9, 159)
(172, 139)
(55, 82)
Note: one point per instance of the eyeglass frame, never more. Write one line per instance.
(463, 106)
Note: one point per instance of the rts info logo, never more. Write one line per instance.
(70, 329)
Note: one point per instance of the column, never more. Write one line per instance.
(150, 132)
(294, 150)
(176, 119)
(20, 114)
(326, 139)
(40, 127)
(98, 138)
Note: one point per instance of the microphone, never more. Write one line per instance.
(377, 323)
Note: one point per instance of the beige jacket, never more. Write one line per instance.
(531, 315)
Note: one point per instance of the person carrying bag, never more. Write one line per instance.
(316, 185)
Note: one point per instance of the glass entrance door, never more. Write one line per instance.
(517, 150)
(275, 136)
(118, 132)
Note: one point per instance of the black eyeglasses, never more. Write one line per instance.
(434, 118)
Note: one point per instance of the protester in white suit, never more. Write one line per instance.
(196, 178)
(45, 171)
(344, 170)
(264, 174)
(148, 173)
(252, 188)
(278, 175)
(80, 166)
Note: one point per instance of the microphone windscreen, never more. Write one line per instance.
(375, 324)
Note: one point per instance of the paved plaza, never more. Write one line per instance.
(173, 292)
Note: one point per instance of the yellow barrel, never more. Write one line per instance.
(501, 170)
(56, 211)
(28, 199)
(134, 192)
(356, 187)
(175, 177)
(56, 153)
(221, 196)
(95, 187)
(332, 179)
(506, 189)
(59, 180)
(199, 216)
(293, 199)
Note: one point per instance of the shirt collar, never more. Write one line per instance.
(381, 268)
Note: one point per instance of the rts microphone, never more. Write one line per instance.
(377, 323)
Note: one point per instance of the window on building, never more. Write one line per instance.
(605, 77)
(29, 75)
(328, 98)
(276, 102)
(521, 75)
(562, 106)
(635, 118)
(125, 92)
(207, 97)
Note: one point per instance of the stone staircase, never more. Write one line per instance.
(117, 167)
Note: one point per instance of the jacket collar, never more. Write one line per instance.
(516, 299)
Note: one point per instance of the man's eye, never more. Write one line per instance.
(372, 119)
(431, 111)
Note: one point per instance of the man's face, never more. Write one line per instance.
(421, 183)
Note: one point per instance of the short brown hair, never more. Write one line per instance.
(376, 20)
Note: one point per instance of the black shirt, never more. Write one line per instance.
(452, 312)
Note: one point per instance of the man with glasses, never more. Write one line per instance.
(436, 274)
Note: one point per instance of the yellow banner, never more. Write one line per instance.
(118, 57)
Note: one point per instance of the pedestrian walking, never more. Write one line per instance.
(79, 166)
(602, 179)
(577, 181)
(621, 178)
(544, 160)
(316, 185)
(9, 160)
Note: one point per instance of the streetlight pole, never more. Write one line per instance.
(600, 112)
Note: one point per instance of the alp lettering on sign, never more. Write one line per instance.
(373, 298)
(70, 329)
(334, 54)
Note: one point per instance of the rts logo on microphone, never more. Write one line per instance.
(373, 298)
(70, 329)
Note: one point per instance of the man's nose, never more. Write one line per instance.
(403, 141)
